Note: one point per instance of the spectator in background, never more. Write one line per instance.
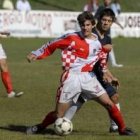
(91, 6)
(107, 4)
(116, 7)
(23, 5)
(7, 5)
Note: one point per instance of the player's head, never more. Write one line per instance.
(106, 19)
(86, 22)
(107, 3)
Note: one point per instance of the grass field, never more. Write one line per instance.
(39, 81)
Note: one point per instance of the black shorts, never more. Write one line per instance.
(108, 87)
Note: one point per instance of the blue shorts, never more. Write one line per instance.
(108, 87)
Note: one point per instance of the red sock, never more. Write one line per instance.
(7, 81)
(49, 119)
(115, 114)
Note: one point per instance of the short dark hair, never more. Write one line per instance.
(86, 15)
(107, 12)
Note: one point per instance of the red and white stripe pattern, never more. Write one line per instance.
(78, 54)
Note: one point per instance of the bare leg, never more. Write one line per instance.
(6, 79)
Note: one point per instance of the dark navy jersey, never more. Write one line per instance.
(103, 41)
(106, 40)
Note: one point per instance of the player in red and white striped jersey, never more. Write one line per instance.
(80, 52)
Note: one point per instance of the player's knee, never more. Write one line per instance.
(108, 105)
(3, 66)
(115, 98)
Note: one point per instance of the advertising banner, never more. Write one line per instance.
(52, 24)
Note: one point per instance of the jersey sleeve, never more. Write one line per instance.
(103, 59)
(48, 49)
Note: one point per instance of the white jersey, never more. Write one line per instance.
(78, 53)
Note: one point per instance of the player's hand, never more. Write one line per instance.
(31, 57)
(108, 47)
(115, 83)
(107, 78)
(5, 33)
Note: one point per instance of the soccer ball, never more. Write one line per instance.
(63, 126)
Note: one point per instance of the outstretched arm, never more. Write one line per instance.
(118, 23)
(5, 33)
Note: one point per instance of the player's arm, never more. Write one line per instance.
(115, 82)
(103, 55)
(108, 47)
(5, 33)
(48, 49)
(118, 23)
(108, 77)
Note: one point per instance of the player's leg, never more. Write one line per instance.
(113, 59)
(65, 94)
(112, 93)
(115, 114)
(5, 75)
(98, 93)
(74, 108)
(50, 118)
(6, 79)
(113, 125)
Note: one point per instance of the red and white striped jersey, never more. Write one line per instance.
(78, 53)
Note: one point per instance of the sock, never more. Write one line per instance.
(113, 125)
(73, 109)
(6, 79)
(112, 57)
(49, 119)
(115, 114)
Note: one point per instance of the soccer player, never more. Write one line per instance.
(6, 79)
(80, 51)
(97, 14)
(105, 21)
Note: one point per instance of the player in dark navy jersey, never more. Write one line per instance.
(102, 32)
(97, 15)
(105, 21)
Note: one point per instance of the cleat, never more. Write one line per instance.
(112, 130)
(117, 65)
(34, 129)
(14, 94)
(128, 132)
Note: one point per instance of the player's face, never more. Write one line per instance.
(106, 22)
(86, 28)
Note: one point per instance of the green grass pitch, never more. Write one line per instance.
(39, 81)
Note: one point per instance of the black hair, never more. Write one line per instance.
(107, 12)
(86, 15)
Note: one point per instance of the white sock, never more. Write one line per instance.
(73, 109)
(112, 57)
(113, 125)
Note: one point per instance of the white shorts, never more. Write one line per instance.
(74, 84)
(2, 53)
